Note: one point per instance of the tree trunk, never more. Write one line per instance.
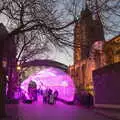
(13, 80)
(2, 91)
(7, 50)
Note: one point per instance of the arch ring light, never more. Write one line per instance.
(52, 78)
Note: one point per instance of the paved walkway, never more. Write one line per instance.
(110, 113)
(59, 111)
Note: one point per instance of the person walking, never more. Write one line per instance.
(45, 97)
(55, 96)
(51, 100)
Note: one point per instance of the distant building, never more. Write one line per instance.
(9, 47)
(112, 50)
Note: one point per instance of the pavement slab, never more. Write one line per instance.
(59, 111)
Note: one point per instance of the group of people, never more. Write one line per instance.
(49, 96)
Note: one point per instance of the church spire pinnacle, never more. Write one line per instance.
(97, 17)
(85, 13)
(83, 5)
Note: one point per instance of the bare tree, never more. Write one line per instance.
(1, 6)
(33, 24)
(37, 24)
(40, 19)
(28, 46)
(35, 15)
(110, 16)
(45, 22)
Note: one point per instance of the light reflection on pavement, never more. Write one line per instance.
(59, 111)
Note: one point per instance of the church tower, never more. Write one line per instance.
(87, 30)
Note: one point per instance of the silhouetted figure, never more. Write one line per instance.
(51, 99)
(87, 99)
(55, 95)
(45, 96)
(90, 100)
(34, 94)
(50, 96)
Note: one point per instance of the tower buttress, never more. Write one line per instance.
(77, 50)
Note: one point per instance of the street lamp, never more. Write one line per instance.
(18, 68)
(4, 62)
(64, 84)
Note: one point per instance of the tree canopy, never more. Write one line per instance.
(39, 25)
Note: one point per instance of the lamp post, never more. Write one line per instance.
(17, 92)
(4, 63)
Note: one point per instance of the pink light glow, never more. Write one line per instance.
(55, 79)
(64, 83)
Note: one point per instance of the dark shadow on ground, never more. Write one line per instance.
(65, 102)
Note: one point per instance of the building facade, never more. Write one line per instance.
(101, 54)
(112, 50)
(9, 59)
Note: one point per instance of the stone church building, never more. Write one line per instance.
(88, 49)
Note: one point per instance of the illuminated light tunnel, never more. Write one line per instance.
(54, 79)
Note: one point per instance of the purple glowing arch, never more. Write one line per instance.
(54, 79)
